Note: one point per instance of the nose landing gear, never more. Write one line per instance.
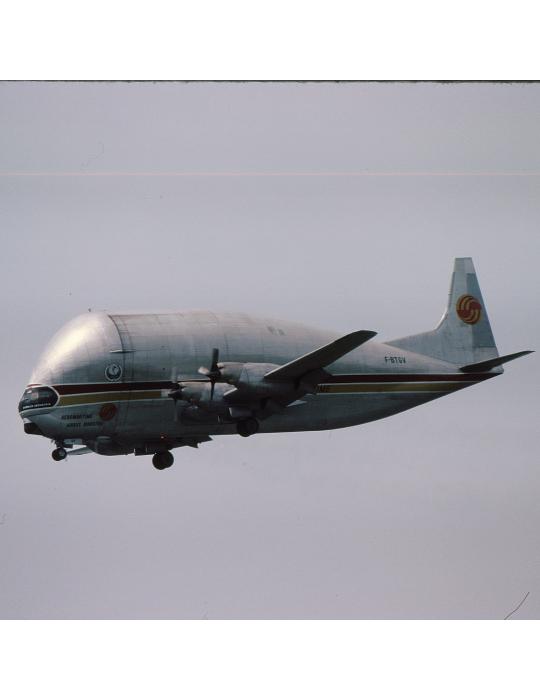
(59, 454)
(162, 460)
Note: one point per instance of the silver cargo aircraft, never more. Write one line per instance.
(146, 383)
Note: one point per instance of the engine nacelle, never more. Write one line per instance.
(250, 377)
(230, 371)
(200, 394)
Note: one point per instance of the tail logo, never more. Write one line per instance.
(468, 309)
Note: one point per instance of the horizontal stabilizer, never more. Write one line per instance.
(495, 362)
(322, 357)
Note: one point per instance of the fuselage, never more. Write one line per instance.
(104, 380)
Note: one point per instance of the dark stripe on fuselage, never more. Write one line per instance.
(114, 387)
(401, 378)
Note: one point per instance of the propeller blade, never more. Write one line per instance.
(214, 372)
(215, 360)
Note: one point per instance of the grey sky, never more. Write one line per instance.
(145, 196)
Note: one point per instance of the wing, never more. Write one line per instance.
(320, 358)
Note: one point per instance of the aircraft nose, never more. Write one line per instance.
(37, 397)
(35, 403)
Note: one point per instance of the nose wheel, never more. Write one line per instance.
(59, 454)
(162, 460)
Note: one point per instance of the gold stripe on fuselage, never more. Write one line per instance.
(366, 388)
(392, 388)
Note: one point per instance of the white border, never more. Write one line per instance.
(246, 41)
(283, 39)
(268, 660)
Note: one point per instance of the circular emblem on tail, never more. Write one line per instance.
(468, 309)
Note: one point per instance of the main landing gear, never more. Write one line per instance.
(59, 454)
(162, 460)
(247, 427)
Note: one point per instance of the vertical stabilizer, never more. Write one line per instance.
(463, 335)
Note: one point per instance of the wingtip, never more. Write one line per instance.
(361, 336)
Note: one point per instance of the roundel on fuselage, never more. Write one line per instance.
(107, 411)
(113, 372)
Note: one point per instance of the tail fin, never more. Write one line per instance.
(463, 336)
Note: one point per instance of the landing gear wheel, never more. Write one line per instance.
(59, 454)
(247, 427)
(162, 460)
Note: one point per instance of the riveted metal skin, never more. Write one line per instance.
(129, 382)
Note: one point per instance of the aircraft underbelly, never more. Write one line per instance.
(330, 412)
(151, 418)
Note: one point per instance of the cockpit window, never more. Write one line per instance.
(38, 397)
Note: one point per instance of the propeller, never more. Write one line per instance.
(185, 391)
(214, 373)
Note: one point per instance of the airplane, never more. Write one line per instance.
(146, 383)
